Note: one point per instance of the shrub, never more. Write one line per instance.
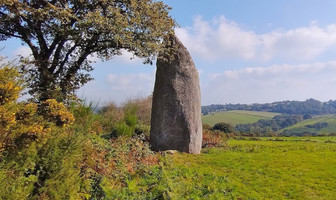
(56, 112)
(10, 84)
(142, 108)
(133, 117)
(213, 138)
(207, 127)
(111, 115)
(224, 127)
(39, 153)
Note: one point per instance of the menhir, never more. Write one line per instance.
(176, 112)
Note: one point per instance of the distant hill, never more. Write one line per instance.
(308, 107)
(318, 125)
(235, 117)
(284, 118)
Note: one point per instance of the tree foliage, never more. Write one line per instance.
(63, 34)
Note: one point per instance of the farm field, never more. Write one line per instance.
(302, 126)
(269, 168)
(235, 117)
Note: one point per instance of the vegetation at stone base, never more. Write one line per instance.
(318, 125)
(308, 107)
(267, 168)
(235, 117)
(63, 34)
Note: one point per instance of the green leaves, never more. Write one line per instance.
(62, 34)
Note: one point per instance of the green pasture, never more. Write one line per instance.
(236, 117)
(267, 168)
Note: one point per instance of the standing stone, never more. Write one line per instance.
(176, 111)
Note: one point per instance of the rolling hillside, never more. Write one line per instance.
(235, 117)
(323, 124)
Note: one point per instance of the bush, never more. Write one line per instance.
(224, 127)
(56, 113)
(39, 153)
(213, 138)
(133, 117)
(207, 127)
(142, 108)
(10, 84)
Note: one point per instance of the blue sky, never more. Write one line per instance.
(246, 52)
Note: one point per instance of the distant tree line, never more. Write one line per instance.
(308, 107)
(317, 126)
(269, 127)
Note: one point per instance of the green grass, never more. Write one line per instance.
(300, 127)
(235, 117)
(289, 168)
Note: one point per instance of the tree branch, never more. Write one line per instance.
(74, 68)
(23, 32)
(57, 54)
(10, 34)
(53, 45)
(65, 59)
(87, 50)
(39, 35)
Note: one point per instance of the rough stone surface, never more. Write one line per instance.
(176, 111)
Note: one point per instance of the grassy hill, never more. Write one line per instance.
(303, 127)
(236, 117)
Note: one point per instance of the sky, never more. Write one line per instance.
(245, 51)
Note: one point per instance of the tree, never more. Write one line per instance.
(62, 34)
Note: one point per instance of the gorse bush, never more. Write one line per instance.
(26, 131)
(56, 112)
(10, 85)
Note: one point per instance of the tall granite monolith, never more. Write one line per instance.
(176, 110)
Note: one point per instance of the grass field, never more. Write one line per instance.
(271, 168)
(236, 117)
(301, 127)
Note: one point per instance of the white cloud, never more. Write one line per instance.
(298, 44)
(118, 88)
(22, 51)
(275, 83)
(222, 39)
(126, 57)
(130, 82)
